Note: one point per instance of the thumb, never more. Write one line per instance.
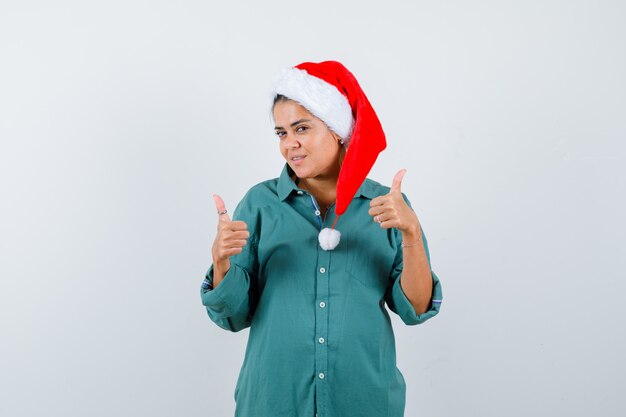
(397, 181)
(221, 208)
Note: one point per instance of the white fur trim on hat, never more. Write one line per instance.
(320, 98)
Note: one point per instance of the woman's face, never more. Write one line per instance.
(310, 148)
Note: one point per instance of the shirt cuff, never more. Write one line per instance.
(405, 309)
(207, 284)
(230, 297)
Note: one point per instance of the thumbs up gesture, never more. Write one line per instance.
(231, 237)
(391, 210)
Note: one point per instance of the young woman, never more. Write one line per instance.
(321, 341)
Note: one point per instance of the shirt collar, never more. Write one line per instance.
(366, 190)
(285, 183)
(286, 186)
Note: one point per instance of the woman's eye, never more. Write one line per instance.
(280, 134)
(301, 128)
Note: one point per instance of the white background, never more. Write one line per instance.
(120, 119)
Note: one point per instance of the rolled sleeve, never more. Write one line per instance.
(403, 307)
(228, 305)
(395, 297)
(232, 302)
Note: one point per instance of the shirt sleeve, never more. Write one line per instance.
(232, 303)
(395, 297)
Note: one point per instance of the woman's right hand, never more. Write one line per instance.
(230, 240)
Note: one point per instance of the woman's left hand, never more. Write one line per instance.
(391, 210)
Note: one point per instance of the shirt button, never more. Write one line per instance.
(322, 304)
(321, 340)
(321, 375)
(317, 212)
(322, 270)
(299, 192)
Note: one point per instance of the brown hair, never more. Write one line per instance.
(279, 98)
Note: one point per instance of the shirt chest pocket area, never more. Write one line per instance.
(369, 259)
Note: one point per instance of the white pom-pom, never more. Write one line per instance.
(329, 238)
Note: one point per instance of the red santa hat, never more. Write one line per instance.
(331, 93)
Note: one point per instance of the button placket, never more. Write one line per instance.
(322, 311)
(317, 211)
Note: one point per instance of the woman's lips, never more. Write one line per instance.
(297, 160)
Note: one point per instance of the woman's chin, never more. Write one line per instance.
(299, 171)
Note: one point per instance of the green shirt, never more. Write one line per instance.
(321, 340)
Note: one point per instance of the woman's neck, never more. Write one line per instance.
(324, 190)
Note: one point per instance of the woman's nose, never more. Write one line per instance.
(291, 141)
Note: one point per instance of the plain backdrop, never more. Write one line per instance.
(120, 119)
